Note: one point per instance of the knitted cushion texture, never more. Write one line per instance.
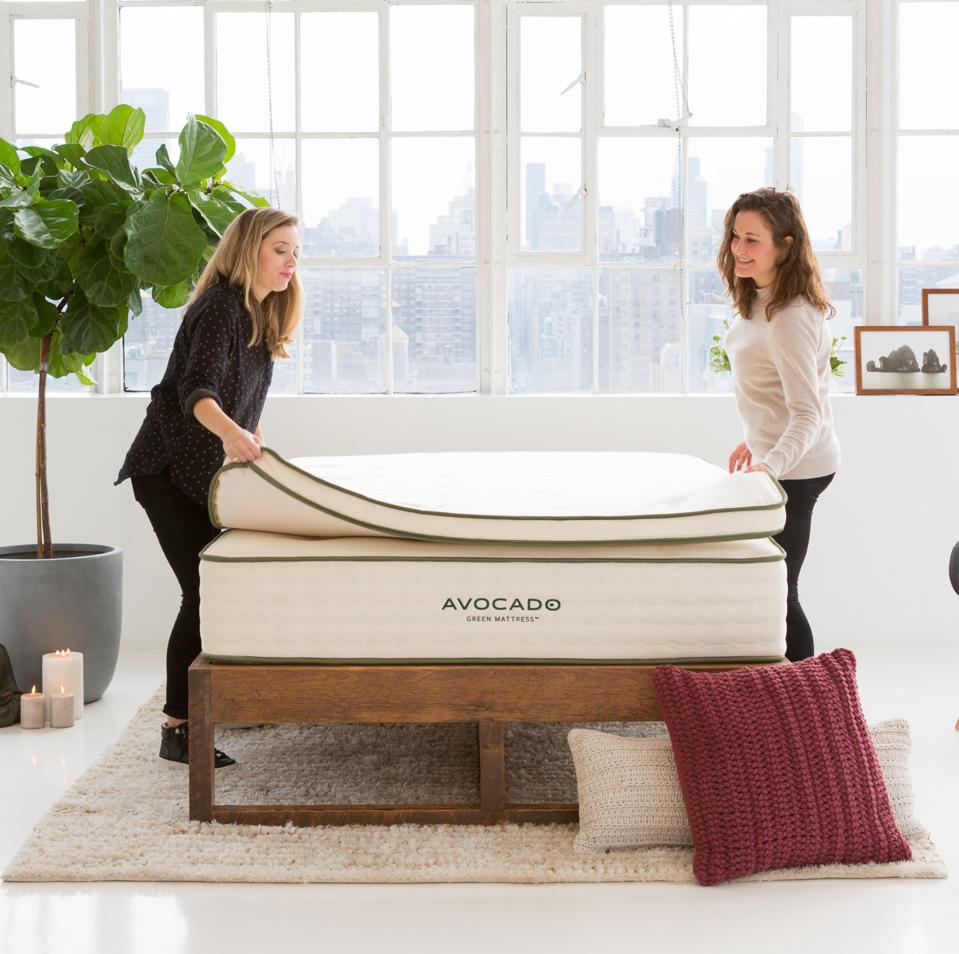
(629, 793)
(777, 767)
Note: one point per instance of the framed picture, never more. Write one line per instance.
(940, 306)
(905, 359)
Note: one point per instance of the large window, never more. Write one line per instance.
(527, 196)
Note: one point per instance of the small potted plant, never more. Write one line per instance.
(83, 235)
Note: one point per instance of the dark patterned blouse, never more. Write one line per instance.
(210, 359)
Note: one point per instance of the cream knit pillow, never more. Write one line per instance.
(629, 794)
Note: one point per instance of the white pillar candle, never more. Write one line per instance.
(32, 710)
(61, 709)
(64, 668)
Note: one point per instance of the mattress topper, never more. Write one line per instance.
(502, 496)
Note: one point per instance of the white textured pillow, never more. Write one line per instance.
(629, 794)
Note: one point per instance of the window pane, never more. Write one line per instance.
(284, 372)
(148, 343)
(551, 59)
(639, 215)
(27, 382)
(640, 311)
(639, 90)
(912, 279)
(45, 53)
(708, 310)
(434, 213)
(821, 97)
(821, 177)
(928, 81)
(339, 72)
(434, 330)
(550, 330)
(431, 67)
(344, 331)
(147, 80)
(341, 197)
(727, 89)
(719, 171)
(242, 93)
(844, 287)
(551, 210)
(250, 169)
(928, 200)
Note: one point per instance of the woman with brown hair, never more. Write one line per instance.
(779, 352)
(243, 313)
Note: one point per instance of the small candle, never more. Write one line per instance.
(61, 709)
(64, 668)
(32, 711)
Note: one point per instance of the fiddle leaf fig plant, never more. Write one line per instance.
(84, 233)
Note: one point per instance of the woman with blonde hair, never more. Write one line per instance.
(243, 313)
(779, 351)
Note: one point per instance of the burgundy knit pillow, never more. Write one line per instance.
(777, 767)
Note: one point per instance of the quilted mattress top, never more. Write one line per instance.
(510, 497)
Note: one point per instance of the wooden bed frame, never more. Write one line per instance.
(489, 695)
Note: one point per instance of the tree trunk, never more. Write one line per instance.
(44, 542)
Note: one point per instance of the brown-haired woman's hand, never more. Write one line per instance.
(240, 445)
(740, 458)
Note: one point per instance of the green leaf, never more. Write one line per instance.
(9, 157)
(215, 213)
(117, 244)
(97, 194)
(27, 256)
(257, 201)
(109, 218)
(73, 178)
(102, 282)
(201, 152)
(61, 363)
(135, 302)
(114, 161)
(58, 283)
(89, 328)
(86, 131)
(72, 152)
(13, 285)
(224, 135)
(158, 176)
(173, 296)
(24, 355)
(47, 317)
(47, 224)
(16, 320)
(16, 199)
(164, 243)
(123, 126)
(163, 157)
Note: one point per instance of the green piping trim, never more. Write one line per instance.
(214, 516)
(467, 661)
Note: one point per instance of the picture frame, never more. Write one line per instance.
(905, 359)
(940, 306)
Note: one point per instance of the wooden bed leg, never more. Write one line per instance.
(492, 768)
(201, 741)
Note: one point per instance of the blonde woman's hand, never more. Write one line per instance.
(740, 458)
(756, 468)
(240, 446)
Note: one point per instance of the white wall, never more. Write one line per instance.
(882, 533)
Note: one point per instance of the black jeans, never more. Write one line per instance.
(794, 539)
(183, 528)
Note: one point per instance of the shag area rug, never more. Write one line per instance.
(126, 818)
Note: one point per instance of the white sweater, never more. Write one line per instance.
(781, 381)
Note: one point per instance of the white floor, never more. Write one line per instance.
(919, 683)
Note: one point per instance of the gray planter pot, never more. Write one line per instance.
(72, 601)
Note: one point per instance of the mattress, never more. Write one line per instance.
(272, 597)
(509, 497)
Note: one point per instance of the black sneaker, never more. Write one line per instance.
(175, 746)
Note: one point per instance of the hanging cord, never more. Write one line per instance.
(682, 115)
(274, 180)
